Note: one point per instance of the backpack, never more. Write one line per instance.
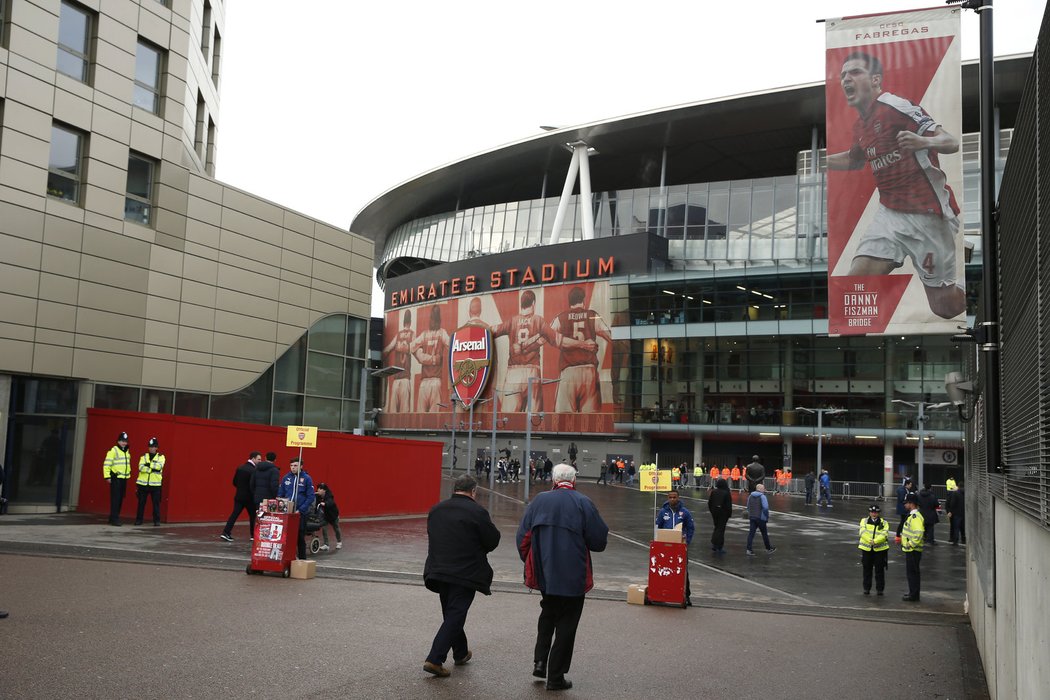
(754, 505)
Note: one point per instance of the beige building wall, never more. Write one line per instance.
(220, 283)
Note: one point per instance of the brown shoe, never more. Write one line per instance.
(436, 669)
(465, 659)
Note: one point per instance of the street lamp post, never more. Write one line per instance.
(492, 449)
(470, 437)
(921, 407)
(528, 423)
(820, 431)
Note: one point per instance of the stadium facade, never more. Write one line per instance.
(130, 278)
(697, 233)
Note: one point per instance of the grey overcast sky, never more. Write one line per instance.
(326, 104)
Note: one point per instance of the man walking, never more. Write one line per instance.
(671, 515)
(151, 472)
(557, 534)
(461, 534)
(825, 489)
(720, 503)
(902, 493)
(912, 536)
(955, 506)
(116, 469)
(874, 549)
(758, 514)
(243, 498)
(604, 475)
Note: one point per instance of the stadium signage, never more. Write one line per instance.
(470, 362)
(569, 262)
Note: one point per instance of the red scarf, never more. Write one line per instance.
(565, 485)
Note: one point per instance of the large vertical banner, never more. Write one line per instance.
(894, 130)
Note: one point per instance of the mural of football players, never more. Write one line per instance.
(399, 399)
(527, 331)
(430, 349)
(578, 390)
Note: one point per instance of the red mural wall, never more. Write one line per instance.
(201, 456)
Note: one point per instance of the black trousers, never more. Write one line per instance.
(238, 506)
(117, 489)
(559, 617)
(958, 528)
(876, 561)
(455, 603)
(900, 525)
(911, 568)
(718, 535)
(153, 493)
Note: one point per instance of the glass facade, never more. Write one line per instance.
(316, 381)
(731, 223)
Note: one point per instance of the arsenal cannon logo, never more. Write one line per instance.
(470, 362)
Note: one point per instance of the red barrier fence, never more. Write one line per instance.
(369, 476)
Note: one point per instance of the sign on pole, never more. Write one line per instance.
(301, 436)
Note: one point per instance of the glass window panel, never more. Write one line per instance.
(352, 379)
(190, 404)
(122, 398)
(323, 413)
(351, 415)
(74, 29)
(291, 368)
(64, 164)
(44, 396)
(328, 334)
(147, 77)
(157, 401)
(324, 374)
(287, 409)
(249, 405)
(356, 337)
(138, 202)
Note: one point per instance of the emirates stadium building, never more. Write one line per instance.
(656, 285)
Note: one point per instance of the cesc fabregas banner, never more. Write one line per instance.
(894, 132)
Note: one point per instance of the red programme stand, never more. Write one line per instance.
(275, 544)
(667, 566)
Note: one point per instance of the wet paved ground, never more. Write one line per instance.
(814, 577)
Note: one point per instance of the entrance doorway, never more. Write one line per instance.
(41, 437)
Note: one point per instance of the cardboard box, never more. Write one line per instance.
(303, 569)
(669, 535)
(636, 594)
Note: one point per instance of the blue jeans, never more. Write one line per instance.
(825, 495)
(761, 526)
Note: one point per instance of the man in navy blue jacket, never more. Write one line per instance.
(302, 493)
(558, 532)
(670, 516)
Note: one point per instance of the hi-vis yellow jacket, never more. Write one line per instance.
(873, 536)
(151, 469)
(117, 464)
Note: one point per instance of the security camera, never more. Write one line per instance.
(957, 388)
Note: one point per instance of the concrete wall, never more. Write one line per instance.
(1013, 636)
(214, 288)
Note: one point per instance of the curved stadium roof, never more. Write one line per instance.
(732, 138)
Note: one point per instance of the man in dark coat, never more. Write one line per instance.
(720, 503)
(265, 480)
(928, 505)
(811, 481)
(461, 535)
(955, 506)
(755, 472)
(557, 534)
(242, 496)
